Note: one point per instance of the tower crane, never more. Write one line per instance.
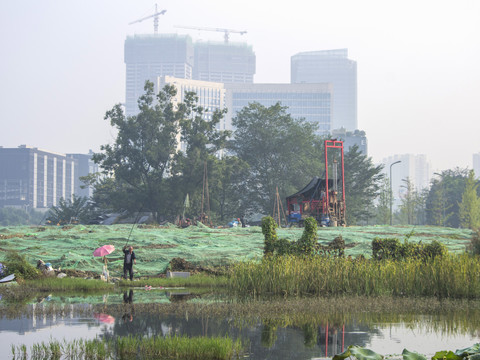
(155, 19)
(225, 31)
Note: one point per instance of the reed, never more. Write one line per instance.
(196, 348)
(67, 284)
(450, 276)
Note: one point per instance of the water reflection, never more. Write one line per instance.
(301, 333)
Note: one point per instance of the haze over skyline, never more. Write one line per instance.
(418, 76)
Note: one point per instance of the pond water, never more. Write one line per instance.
(44, 318)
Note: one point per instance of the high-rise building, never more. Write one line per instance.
(34, 178)
(150, 56)
(309, 101)
(331, 66)
(414, 167)
(224, 62)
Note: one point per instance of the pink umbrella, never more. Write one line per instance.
(105, 318)
(104, 250)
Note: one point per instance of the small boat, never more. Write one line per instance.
(8, 278)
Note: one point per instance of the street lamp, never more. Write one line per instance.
(443, 196)
(391, 191)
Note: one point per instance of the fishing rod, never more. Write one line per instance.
(136, 219)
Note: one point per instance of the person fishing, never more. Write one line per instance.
(128, 261)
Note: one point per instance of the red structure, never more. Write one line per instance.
(324, 199)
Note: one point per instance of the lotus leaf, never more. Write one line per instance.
(411, 355)
(364, 354)
(448, 355)
(343, 355)
(474, 357)
(474, 349)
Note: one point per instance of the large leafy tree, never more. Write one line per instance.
(469, 208)
(362, 185)
(444, 197)
(139, 158)
(382, 207)
(202, 143)
(412, 208)
(281, 152)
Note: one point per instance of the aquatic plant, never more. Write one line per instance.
(456, 276)
(195, 348)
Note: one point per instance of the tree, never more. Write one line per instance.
(158, 155)
(77, 210)
(280, 151)
(201, 142)
(139, 160)
(362, 185)
(444, 197)
(469, 208)
(382, 208)
(412, 208)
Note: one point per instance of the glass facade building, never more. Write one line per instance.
(331, 66)
(224, 62)
(150, 56)
(309, 101)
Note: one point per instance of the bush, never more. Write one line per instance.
(269, 232)
(475, 243)
(308, 241)
(392, 249)
(17, 264)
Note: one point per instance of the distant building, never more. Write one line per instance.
(224, 62)
(416, 167)
(331, 66)
(150, 56)
(211, 96)
(34, 178)
(85, 166)
(351, 138)
(476, 165)
(313, 102)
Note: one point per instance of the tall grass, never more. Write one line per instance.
(132, 347)
(455, 276)
(67, 284)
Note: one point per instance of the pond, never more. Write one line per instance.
(273, 329)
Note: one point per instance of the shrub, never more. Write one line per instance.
(308, 241)
(269, 232)
(18, 265)
(385, 248)
(392, 249)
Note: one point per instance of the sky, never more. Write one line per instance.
(418, 64)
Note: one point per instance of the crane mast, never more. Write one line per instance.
(155, 19)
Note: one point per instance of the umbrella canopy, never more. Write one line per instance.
(104, 250)
(105, 318)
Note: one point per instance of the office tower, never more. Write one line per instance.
(35, 178)
(331, 66)
(309, 101)
(150, 56)
(224, 62)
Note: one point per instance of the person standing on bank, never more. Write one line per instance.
(128, 262)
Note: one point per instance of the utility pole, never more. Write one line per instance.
(391, 191)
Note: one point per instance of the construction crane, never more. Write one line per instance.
(225, 31)
(155, 19)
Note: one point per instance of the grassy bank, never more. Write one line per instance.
(197, 348)
(191, 281)
(454, 276)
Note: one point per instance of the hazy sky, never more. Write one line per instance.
(61, 65)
